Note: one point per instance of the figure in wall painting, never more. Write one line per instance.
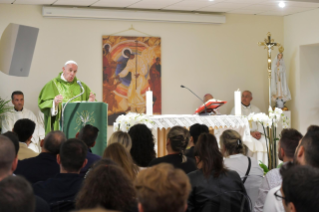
(131, 66)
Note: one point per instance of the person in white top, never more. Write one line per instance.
(256, 130)
(286, 149)
(273, 203)
(248, 169)
(20, 112)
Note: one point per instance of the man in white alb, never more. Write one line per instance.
(260, 151)
(19, 112)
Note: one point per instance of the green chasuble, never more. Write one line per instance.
(67, 90)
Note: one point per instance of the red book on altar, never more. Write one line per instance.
(211, 105)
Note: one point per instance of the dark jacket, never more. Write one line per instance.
(176, 161)
(92, 158)
(38, 168)
(60, 187)
(190, 152)
(224, 193)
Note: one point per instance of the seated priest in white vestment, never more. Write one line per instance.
(20, 112)
(256, 130)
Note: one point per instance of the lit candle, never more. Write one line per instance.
(237, 102)
(149, 102)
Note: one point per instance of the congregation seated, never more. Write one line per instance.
(44, 165)
(24, 128)
(212, 180)
(65, 185)
(142, 150)
(123, 138)
(287, 145)
(162, 188)
(117, 153)
(177, 141)
(195, 130)
(233, 150)
(106, 185)
(9, 161)
(306, 154)
(88, 134)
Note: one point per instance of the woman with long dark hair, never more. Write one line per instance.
(142, 150)
(177, 141)
(213, 184)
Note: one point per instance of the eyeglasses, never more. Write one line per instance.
(278, 195)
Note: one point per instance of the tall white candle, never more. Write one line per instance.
(149, 102)
(237, 102)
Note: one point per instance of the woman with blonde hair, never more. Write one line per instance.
(122, 138)
(177, 141)
(117, 153)
(234, 150)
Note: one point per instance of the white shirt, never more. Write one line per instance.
(239, 163)
(10, 118)
(271, 203)
(271, 180)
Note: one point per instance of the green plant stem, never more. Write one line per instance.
(266, 143)
(275, 149)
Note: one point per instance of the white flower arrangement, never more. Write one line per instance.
(125, 122)
(270, 122)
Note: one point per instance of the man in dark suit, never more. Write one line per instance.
(43, 166)
(88, 135)
(65, 185)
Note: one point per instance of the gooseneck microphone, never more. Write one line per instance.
(80, 84)
(182, 86)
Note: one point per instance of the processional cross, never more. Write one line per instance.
(269, 45)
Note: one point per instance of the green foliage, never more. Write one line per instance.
(4, 106)
(264, 167)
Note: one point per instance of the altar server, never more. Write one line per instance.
(20, 112)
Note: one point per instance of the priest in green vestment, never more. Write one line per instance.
(58, 91)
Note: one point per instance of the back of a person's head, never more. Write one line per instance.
(119, 155)
(73, 154)
(142, 150)
(300, 186)
(230, 141)
(207, 152)
(88, 134)
(7, 155)
(289, 141)
(313, 128)
(162, 188)
(121, 137)
(24, 128)
(16, 195)
(310, 143)
(196, 129)
(53, 141)
(106, 186)
(14, 138)
(178, 137)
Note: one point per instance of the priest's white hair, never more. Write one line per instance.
(70, 62)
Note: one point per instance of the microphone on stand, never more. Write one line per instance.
(80, 84)
(182, 86)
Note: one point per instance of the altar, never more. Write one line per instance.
(161, 124)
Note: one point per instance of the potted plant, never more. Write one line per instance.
(4, 107)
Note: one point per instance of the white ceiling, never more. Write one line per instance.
(258, 7)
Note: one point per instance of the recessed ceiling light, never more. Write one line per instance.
(210, 0)
(282, 4)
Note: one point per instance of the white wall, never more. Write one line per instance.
(301, 30)
(206, 58)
